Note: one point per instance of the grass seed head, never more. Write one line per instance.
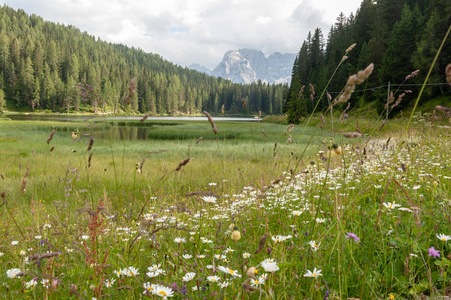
(448, 74)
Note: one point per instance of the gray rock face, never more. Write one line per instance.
(248, 65)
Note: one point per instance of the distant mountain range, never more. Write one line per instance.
(248, 65)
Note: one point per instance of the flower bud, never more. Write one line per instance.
(236, 235)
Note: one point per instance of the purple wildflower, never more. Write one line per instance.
(350, 235)
(434, 253)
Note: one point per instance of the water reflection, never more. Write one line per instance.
(122, 133)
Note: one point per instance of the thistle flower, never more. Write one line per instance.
(433, 252)
(350, 235)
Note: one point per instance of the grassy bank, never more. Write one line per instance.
(244, 218)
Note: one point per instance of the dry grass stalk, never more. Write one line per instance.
(323, 120)
(243, 101)
(183, 163)
(398, 100)
(198, 140)
(344, 115)
(51, 136)
(383, 124)
(413, 74)
(131, 91)
(222, 109)
(45, 255)
(262, 243)
(352, 134)
(264, 133)
(24, 181)
(443, 109)
(53, 148)
(89, 160)
(301, 91)
(448, 73)
(312, 92)
(290, 128)
(350, 48)
(358, 78)
(212, 123)
(391, 99)
(91, 142)
(144, 118)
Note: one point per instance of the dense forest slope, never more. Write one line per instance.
(50, 66)
(397, 36)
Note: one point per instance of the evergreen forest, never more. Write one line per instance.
(53, 67)
(397, 36)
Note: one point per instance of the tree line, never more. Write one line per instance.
(397, 36)
(48, 66)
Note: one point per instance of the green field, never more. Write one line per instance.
(251, 218)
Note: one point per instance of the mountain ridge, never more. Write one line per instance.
(250, 65)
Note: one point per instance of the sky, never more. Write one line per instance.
(195, 31)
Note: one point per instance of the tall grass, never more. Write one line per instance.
(258, 211)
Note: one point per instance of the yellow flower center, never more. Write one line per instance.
(150, 288)
(162, 293)
(213, 280)
(256, 281)
(390, 206)
(443, 239)
(314, 274)
(231, 271)
(316, 246)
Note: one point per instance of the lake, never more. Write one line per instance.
(116, 127)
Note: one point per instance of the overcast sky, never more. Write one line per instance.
(195, 31)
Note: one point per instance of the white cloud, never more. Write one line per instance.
(196, 31)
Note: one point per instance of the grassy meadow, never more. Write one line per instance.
(258, 211)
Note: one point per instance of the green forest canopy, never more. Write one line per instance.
(397, 36)
(49, 66)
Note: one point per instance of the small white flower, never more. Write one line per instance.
(443, 237)
(45, 283)
(187, 256)
(130, 271)
(246, 255)
(213, 278)
(223, 284)
(14, 243)
(234, 273)
(315, 273)
(179, 240)
(31, 284)
(390, 205)
(209, 199)
(12, 273)
(85, 237)
(189, 276)
(269, 265)
(314, 245)
(109, 283)
(258, 281)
